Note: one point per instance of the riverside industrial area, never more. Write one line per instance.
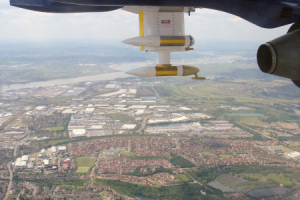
(123, 138)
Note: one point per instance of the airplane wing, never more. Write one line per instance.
(59, 7)
(162, 27)
(162, 31)
(264, 13)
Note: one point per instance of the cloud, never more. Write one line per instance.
(32, 25)
(212, 24)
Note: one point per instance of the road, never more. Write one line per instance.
(156, 93)
(16, 150)
(16, 147)
(195, 180)
(10, 181)
(143, 125)
(93, 174)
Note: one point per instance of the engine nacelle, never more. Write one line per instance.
(281, 56)
(164, 70)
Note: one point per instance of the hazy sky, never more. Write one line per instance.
(20, 24)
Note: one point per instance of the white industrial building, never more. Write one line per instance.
(128, 126)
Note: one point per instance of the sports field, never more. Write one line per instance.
(84, 164)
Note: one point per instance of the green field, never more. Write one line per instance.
(234, 182)
(183, 178)
(181, 162)
(54, 128)
(82, 170)
(207, 154)
(84, 164)
(127, 154)
(278, 179)
(122, 117)
(184, 191)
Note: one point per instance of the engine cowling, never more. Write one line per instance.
(281, 56)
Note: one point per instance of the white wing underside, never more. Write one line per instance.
(162, 30)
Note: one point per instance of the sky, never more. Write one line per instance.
(18, 24)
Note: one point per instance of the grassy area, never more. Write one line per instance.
(127, 154)
(60, 134)
(181, 162)
(231, 181)
(137, 171)
(183, 178)
(280, 179)
(295, 145)
(251, 121)
(268, 179)
(53, 142)
(75, 183)
(252, 177)
(54, 128)
(257, 176)
(84, 164)
(225, 156)
(207, 154)
(57, 100)
(122, 117)
(286, 149)
(82, 170)
(184, 191)
(11, 122)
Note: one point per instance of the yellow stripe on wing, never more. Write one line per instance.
(141, 18)
(172, 42)
(166, 70)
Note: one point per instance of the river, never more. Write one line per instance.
(66, 81)
(245, 114)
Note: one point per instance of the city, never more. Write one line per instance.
(80, 140)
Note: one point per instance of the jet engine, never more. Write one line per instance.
(281, 56)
